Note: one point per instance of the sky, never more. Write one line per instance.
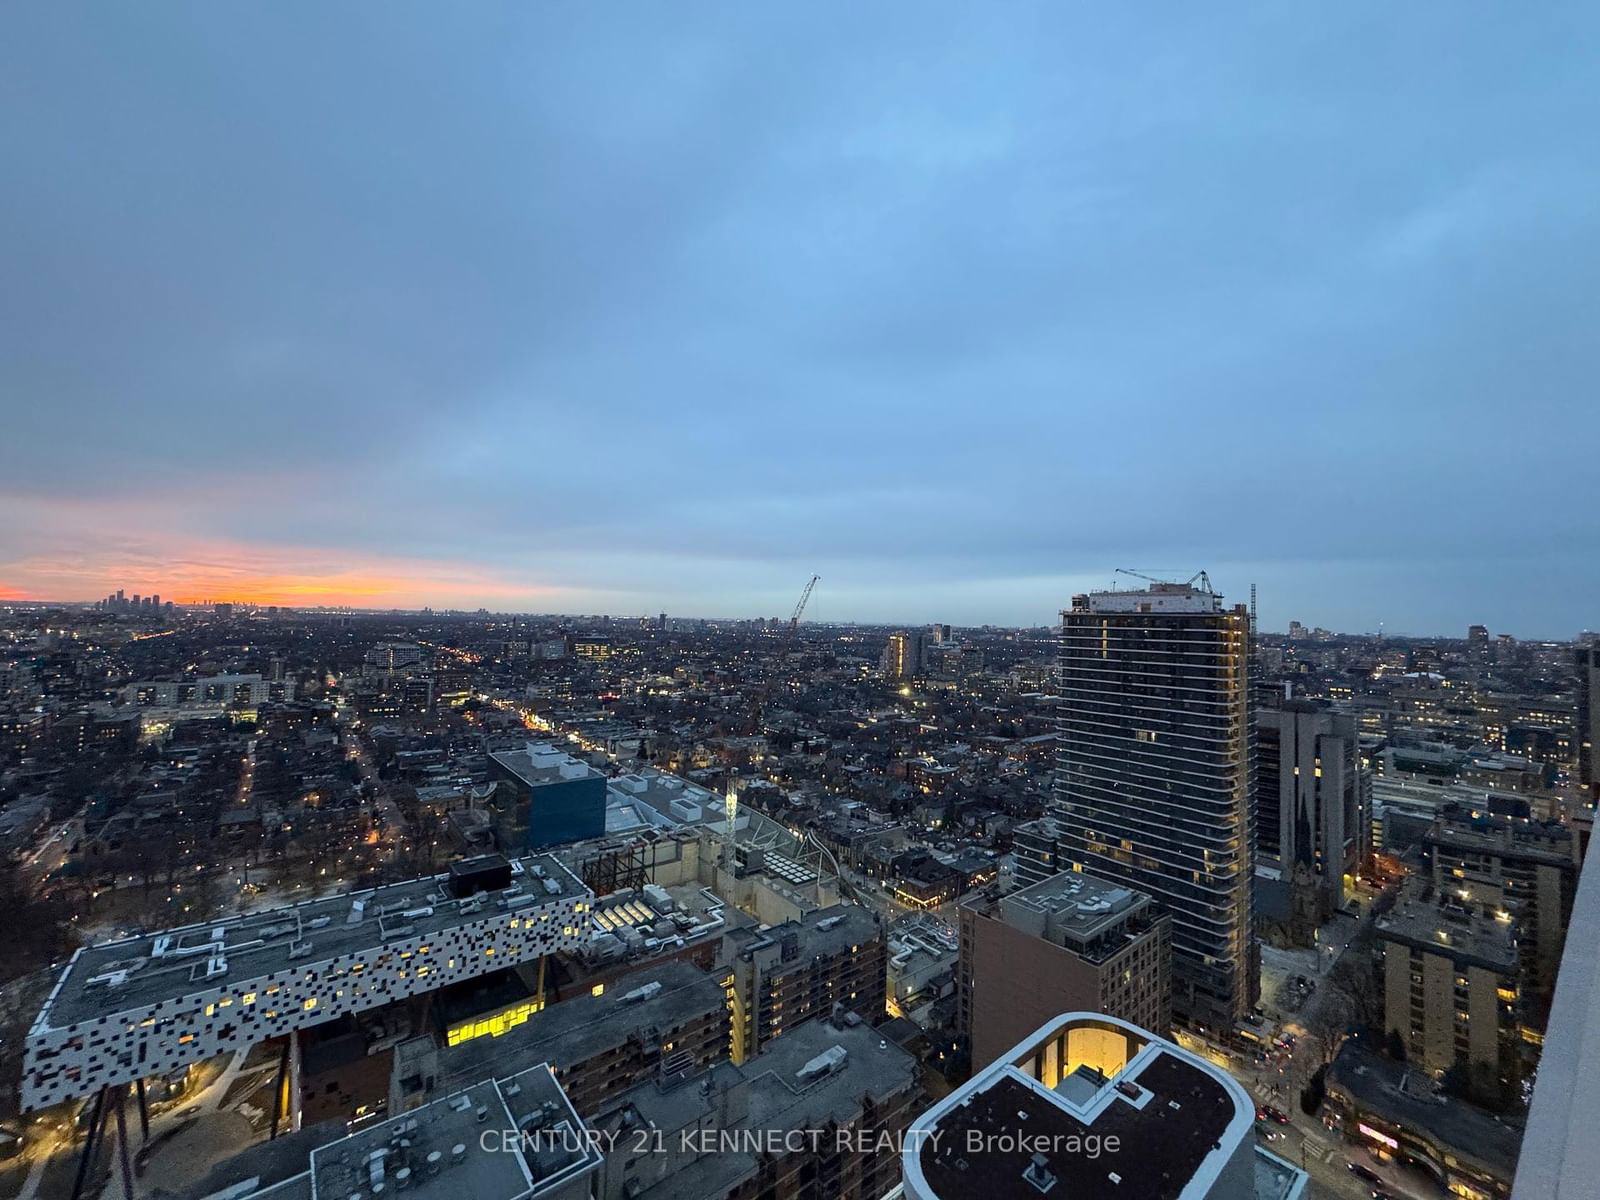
(639, 307)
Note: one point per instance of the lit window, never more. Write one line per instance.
(311, 1003)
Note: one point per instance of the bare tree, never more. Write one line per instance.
(1326, 1022)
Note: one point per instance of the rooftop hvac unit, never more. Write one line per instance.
(826, 1063)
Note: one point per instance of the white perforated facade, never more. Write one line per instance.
(186, 995)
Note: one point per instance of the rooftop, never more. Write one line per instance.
(1157, 598)
(540, 763)
(1426, 919)
(162, 966)
(1008, 1135)
(1404, 1096)
(518, 1137)
(813, 1076)
(1071, 909)
(580, 1028)
(826, 931)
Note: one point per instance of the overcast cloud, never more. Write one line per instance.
(632, 307)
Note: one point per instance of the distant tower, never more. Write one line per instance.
(903, 656)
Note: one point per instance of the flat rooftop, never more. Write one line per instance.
(1008, 1136)
(1405, 1096)
(1157, 598)
(449, 1128)
(1168, 1145)
(1071, 908)
(496, 1140)
(542, 762)
(1422, 918)
(580, 1028)
(259, 943)
(776, 1099)
(659, 789)
(826, 931)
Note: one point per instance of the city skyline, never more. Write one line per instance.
(672, 311)
(294, 599)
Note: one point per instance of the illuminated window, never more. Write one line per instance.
(310, 1003)
(598, 989)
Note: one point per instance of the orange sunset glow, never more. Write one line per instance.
(210, 572)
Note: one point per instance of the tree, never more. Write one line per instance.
(1327, 1020)
(38, 927)
(1355, 978)
(1315, 1092)
(1395, 1046)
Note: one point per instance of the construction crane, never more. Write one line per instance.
(794, 621)
(1205, 580)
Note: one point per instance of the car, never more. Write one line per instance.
(1364, 1173)
(1381, 1194)
(1275, 1114)
(1268, 1132)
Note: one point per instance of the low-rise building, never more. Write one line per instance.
(1398, 1113)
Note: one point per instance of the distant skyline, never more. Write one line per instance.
(637, 308)
(378, 610)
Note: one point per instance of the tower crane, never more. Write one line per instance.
(1205, 580)
(794, 621)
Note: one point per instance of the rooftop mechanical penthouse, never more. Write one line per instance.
(125, 1010)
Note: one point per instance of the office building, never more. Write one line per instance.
(1311, 826)
(1152, 782)
(143, 1006)
(590, 648)
(783, 976)
(557, 798)
(1451, 985)
(1070, 941)
(1088, 1107)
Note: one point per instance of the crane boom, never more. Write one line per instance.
(1201, 576)
(794, 621)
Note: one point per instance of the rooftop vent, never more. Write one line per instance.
(826, 1063)
(640, 993)
(1038, 1173)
